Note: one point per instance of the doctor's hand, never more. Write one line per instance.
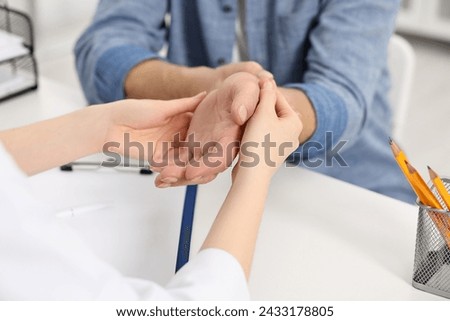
(147, 123)
(270, 136)
(215, 130)
(134, 128)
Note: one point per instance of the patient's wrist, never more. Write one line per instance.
(198, 79)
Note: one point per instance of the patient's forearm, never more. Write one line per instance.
(51, 143)
(301, 104)
(156, 79)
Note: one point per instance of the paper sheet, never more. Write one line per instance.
(11, 46)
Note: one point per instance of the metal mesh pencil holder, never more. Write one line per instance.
(432, 254)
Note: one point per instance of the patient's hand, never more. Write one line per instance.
(216, 126)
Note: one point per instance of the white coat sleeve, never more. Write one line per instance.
(41, 258)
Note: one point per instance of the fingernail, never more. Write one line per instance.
(197, 179)
(243, 113)
(164, 185)
(170, 180)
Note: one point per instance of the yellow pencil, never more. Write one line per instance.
(426, 195)
(415, 180)
(400, 157)
(440, 220)
(439, 184)
(422, 191)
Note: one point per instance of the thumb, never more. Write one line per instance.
(244, 103)
(282, 107)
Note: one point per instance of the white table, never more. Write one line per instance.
(321, 239)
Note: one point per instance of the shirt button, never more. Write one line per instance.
(220, 61)
(227, 8)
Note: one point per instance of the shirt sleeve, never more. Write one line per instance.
(347, 56)
(123, 34)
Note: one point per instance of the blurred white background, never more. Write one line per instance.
(426, 136)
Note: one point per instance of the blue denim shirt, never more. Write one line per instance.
(333, 50)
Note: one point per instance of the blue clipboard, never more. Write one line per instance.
(187, 220)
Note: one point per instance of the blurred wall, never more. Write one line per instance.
(57, 23)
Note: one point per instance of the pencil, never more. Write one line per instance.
(422, 191)
(400, 157)
(426, 195)
(439, 184)
(440, 220)
(415, 180)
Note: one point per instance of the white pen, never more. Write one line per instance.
(77, 210)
